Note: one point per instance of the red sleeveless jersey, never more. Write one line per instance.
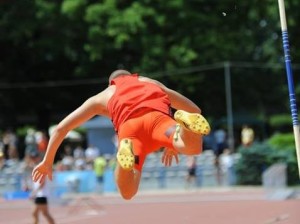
(133, 96)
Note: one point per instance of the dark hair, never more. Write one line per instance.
(118, 73)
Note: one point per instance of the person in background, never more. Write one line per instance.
(221, 144)
(191, 168)
(2, 160)
(31, 146)
(78, 152)
(9, 140)
(99, 169)
(39, 195)
(227, 164)
(247, 136)
(67, 160)
(79, 158)
(220, 136)
(91, 153)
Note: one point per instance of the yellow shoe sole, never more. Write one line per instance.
(192, 121)
(125, 154)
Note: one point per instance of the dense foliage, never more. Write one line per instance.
(55, 54)
(259, 157)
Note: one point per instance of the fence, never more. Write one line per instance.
(154, 176)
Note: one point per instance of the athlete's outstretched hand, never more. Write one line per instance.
(168, 155)
(40, 172)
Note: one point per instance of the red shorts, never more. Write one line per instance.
(149, 132)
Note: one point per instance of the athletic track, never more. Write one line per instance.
(203, 206)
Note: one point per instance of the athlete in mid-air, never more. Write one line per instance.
(140, 109)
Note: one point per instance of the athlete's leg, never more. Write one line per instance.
(127, 181)
(128, 172)
(35, 214)
(131, 155)
(189, 131)
(175, 134)
(45, 211)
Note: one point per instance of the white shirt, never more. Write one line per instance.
(92, 153)
(43, 191)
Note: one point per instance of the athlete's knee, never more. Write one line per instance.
(127, 190)
(128, 195)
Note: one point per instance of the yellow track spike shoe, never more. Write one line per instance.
(125, 154)
(192, 121)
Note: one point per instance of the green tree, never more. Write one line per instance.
(171, 40)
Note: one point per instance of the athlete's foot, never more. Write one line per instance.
(192, 121)
(125, 154)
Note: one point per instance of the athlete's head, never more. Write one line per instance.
(118, 73)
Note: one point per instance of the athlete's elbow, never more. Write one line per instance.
(60, 130)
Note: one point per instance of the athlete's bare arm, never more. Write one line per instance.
(178, 101)
(95, 105)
